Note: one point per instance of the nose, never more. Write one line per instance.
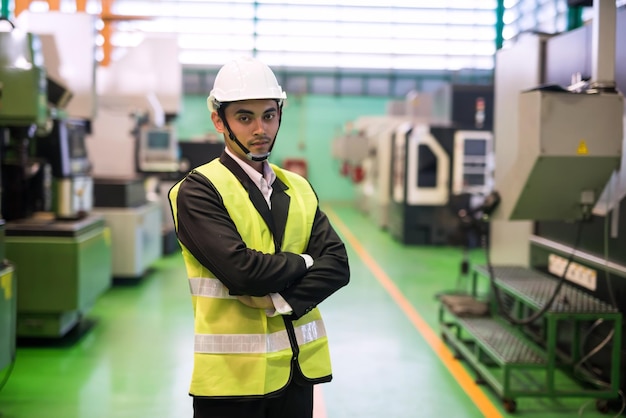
(259, 127)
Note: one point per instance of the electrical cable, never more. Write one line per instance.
(609, 281)
(463, 272)
(468, 224)
(613, 302)
(620, 393)
(464, 268)
(583, 361)
(623, 398)
(579, 365)
(539, 313)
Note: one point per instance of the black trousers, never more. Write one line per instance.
(295, 401)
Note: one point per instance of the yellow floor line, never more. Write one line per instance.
(482, 402)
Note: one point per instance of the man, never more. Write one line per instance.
(260, 256)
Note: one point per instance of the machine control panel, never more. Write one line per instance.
(473, 162)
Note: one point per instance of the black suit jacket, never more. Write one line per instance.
(208, 232)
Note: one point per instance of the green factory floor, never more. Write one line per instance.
(388, 358)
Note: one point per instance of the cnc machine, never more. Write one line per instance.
(436, 160)
(8, 282)
(61, 251)
(136, 153)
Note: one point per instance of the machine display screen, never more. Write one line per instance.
(474, 179)
(158, 139)
(77, 143)
(158, 150)
(475, 147)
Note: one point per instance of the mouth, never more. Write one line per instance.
(259, 144)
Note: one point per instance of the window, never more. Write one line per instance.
(358, 34)
(359, 46)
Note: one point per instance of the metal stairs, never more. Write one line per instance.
(519, 359)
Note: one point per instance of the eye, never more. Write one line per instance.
(243, 118)
(269, 116)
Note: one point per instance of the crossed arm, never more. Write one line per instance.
(205, 228)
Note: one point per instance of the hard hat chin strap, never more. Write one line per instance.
(249, 155)
(231, 135)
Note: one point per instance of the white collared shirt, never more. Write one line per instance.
(263, 181)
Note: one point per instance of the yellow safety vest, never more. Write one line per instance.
(239, 351)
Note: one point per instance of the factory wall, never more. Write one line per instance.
(308, 127)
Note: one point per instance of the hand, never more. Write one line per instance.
(263, 302)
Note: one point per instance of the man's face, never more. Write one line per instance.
(254, 123)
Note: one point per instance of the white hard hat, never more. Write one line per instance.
(245, 78)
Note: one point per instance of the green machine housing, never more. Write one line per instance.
(8, 309)
(22, 103)
(23, 84)
(61, 267)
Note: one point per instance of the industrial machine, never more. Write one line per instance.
(372, 191)
(46, 199)
(420, 164)
(135, 224)
(194, 153)
(8, 313)
(159, 158)
(121, 191)
(8, 282)
(157, 150)
(134, 142)
(8, 307)
(550, 322)
(414, 166)
(378, 177)
(352, 149)
(63, 148)
(131, 205)
(432, 162)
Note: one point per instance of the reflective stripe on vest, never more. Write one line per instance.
(209, 288)
(257, 343)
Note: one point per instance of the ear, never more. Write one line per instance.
(217, 122)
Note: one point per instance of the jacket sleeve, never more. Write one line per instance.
(208, 232)
(329, 273)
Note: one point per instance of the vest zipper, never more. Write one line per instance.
(295, 349)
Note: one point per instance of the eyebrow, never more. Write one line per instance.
(249, 112)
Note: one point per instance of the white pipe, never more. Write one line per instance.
(603, 43)
(157, 110)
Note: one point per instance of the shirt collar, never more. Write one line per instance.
(255, 176)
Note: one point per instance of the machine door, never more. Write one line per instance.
(428, 169)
